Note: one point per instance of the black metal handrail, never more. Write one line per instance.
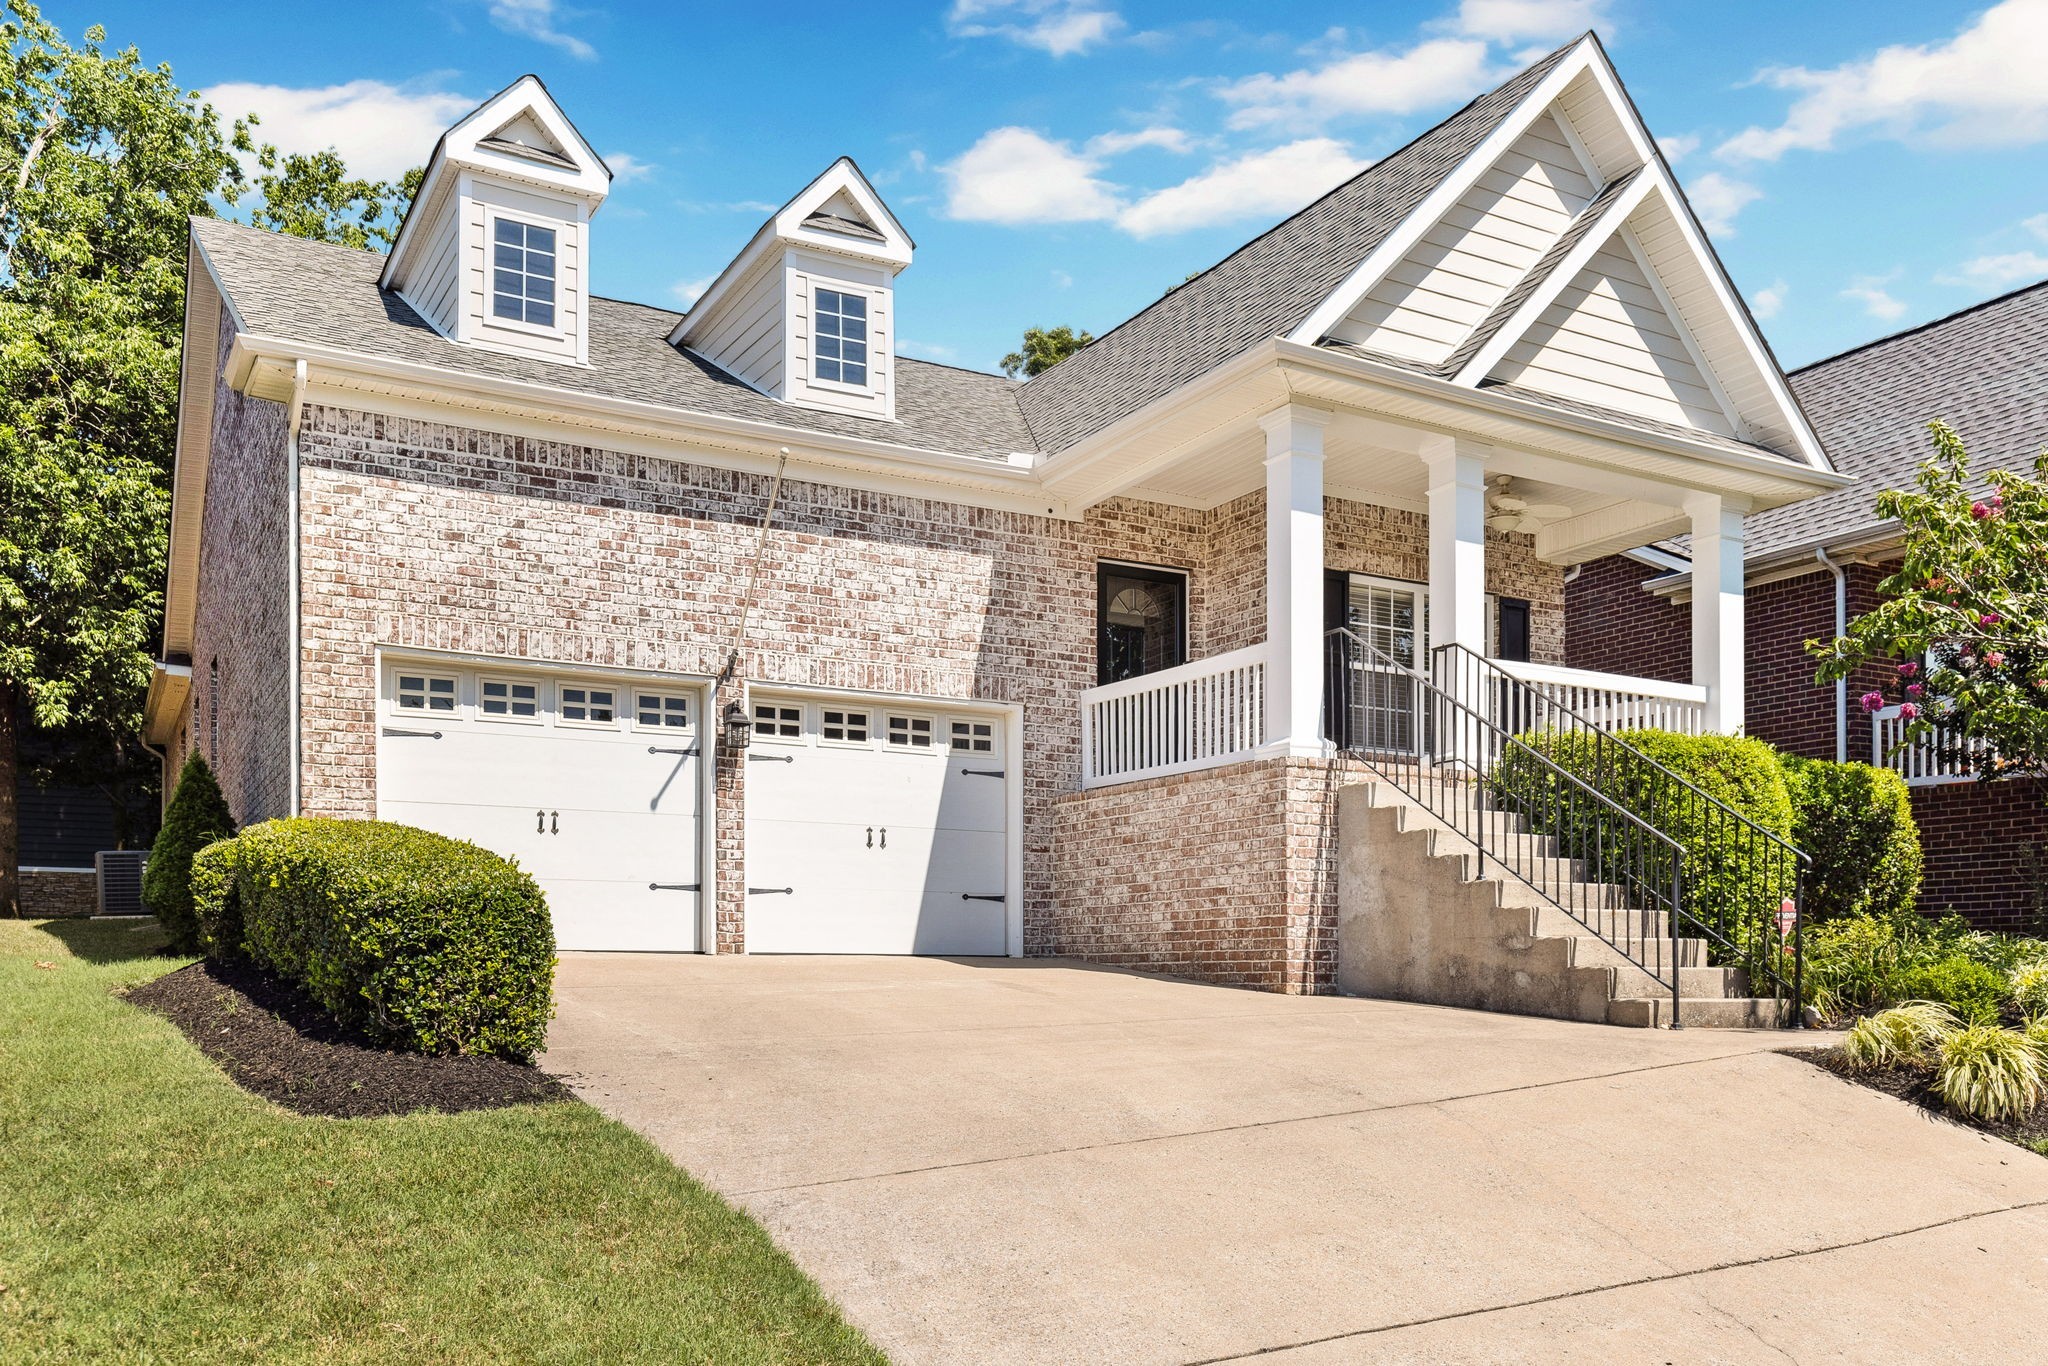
(1431, 746)
(1743, 874)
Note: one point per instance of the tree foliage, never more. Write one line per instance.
(197, 816)
(1044, 347)
(313, 195)
(1964, 621)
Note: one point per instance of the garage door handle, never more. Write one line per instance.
(675, 886)
(540, 822)
(771, 891)
(421, 734)
(982, 772)
(772, 758)
(982, 896)
(657, 749)
(554, 822)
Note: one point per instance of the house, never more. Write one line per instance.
(1814, 567)
(745, 632)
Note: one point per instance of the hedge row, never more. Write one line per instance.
(420, 941)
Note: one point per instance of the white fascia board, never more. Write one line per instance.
(197, 375)
(461, 399)
(1425, 215)
(1562, 274)
(706, 305)
(1855, 546)
(1659, 559)
(528, 96)
(844, 175)
(1803, 479)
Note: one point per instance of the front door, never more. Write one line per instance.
(1379, 707)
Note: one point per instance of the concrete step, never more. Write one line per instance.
(1701, 983)
(1727, 1012)
(1591, 952)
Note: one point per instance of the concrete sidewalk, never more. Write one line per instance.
(1039, 1161)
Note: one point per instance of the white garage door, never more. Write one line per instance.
(875, 828)
(591, 783)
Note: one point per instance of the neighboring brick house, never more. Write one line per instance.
(1984, 371)
(744, 632)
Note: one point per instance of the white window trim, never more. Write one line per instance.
(540, 700)
(689, 726)
(995, 736)
(562, 719)
(560, 227)
(872, 714)
(838, 386)
(803, 722)
(429, 675)
(940, 735)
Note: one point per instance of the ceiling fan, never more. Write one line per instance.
(1509, 511)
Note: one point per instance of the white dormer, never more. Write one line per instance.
(495, 251)
(805, 313)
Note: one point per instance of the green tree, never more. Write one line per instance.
(1044, 347)
(102, 159)
(313, 195)
(196, 817)
(1964, 621)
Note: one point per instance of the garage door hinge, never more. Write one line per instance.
(771, 891)
(658, 749)
(772, 758)
(982, 896)
(982, 772)
(421, 734)
(675, 886)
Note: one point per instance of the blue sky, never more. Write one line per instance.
(1862, 166)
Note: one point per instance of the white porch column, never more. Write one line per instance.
(1294, 580)
(1457, 543)
(1717, 587)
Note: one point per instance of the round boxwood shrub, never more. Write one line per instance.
(1971, 989)
(1856, 823)
(417, 940)
(196, 817)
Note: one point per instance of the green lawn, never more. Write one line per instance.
(150, 1210)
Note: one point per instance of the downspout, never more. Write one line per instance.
(291, 561)
(1841, 628)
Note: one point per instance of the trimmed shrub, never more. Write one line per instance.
(1971, 989)
(419, 941)
(1902, 1034)
(1989, 1072)
(2029, 988)
(196, 817)
(1856, 823)
(1725, 885)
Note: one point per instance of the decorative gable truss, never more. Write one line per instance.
(806, 312)
(1561, 262)
(495, 252)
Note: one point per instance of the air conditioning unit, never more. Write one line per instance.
(120, 873)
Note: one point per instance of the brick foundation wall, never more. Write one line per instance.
(58, 893)
(1227, 875)
(1986, 850)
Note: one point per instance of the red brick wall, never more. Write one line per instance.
(1985, 845)
(1613, 626)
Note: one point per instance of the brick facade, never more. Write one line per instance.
(1617, 628)
(423, 535)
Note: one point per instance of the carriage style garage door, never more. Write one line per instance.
(875, 828)
(591, 783)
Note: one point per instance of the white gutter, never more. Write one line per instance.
(1841, 627)
(293, 413)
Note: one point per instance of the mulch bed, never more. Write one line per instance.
(1915, 1085)
(272, 1040)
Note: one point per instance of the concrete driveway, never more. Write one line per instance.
(988, 1161)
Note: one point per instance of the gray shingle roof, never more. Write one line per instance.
(1984, 371)
(1265, 288)
(310, 291)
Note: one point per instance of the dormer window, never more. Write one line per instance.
(523, 272)
(842, 338)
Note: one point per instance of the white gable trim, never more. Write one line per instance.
(1445, 196)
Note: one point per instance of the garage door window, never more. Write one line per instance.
(974, 737)
(910, 732)
(839, 727)
(662, 711)
(589, 706)
(425, 692)
(773, 721)
(505, 700)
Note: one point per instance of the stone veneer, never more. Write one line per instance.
(58, 893)
(425, 535)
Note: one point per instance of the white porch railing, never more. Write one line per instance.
(1616, 701)
(1198, 715)
(1918, 763)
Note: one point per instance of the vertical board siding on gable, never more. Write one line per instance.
(1467, 263)
(1606, 339)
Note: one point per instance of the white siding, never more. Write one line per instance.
(1607, 339)
(808, 268)
(436, 278)
(746, 335)
(568, 341)
(1467, 262)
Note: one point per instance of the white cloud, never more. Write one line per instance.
(627, 168)
(2037, 225)
(1511, 21)
(1115, 144)
(1279, 180)
(1062, 280)
(1679, 146)
(1869, 290)
(1013, 175)
(924, 350)
(1437, 72)
(1717, 198)
(537, 19)
(380, 130)
(1769, 300)
(687, 291)
(1996, 270)
(1983, 87)
(1060, 27)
